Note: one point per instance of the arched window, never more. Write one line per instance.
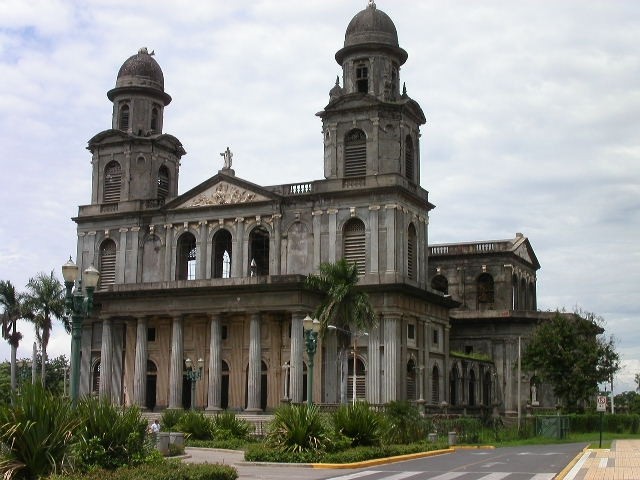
(514, 292)
(435, 385)
(472, 388)
(355, 154)
(259, 251)
(221, 258)
(454, 385)
(95, 378)
(524, 304)
(486, 389)
(186, 257)
(154, 119)
(412, 253)
(411, 380)
(441, 284)
(362, 78)
(354, 250)
(485, 291)
(107, 263)
(533, 304)
(360, 380)
(409, 160)
(123, 120)
(163, 183)
(112, 182)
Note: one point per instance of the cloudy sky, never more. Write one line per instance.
(533, 122)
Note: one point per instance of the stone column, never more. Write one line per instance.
(297, 348)
(122, 256)
(276, 246)
(140, 367)
(390, 222)
(391, 343)
(215, 364)
(201, 256)
(85, 359)
(331, 364)
(332, 233)
(90, 247)
(317, 219)
(373, 227)
(176, 362)
(117, 334)
(427, 359)
(255, 364)
(135, 249)
(373, 372)
(106, 359)
(168, 252)
(239, 255)
(447, 365)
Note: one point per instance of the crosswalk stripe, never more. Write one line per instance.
(544, 476)
(401, 475)
(355, 475)
(495, 476)
(449, 476)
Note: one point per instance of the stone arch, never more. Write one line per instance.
(186, 256)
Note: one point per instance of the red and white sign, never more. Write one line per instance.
(601, 403)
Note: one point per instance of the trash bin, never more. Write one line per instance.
(432, 437)
(162, 443)
(177, 439)
(453, 438)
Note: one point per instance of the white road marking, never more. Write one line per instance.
(495, 476)
(544, 476)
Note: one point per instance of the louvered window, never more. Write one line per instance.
(124, 118)
(163, 183)
(411, 381)
(112, 182)
(354, 244)
(408, 158)
(107, 263)
(412, 245)
(154, 119)
(360, 380)
(355, 154)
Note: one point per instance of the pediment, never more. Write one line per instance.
(222, 193)
(523, 249)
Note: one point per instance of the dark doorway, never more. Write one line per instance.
(186, 392)
(152, 380)
(224, 394)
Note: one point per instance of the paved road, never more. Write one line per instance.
(514, 463)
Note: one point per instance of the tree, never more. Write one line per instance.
(637, 379)
(45, 300)
(568, 353)
(342, 305)
(12, 303)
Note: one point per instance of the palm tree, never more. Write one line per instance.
(343, 306)
(12, 303)
(45, 300)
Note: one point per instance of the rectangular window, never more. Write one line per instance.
(151, 334)
(224, 332)
(468, 349)
(435, 337)
(411, 332)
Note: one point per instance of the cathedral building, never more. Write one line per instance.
(218, 272)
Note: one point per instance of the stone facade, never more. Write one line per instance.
(217, 273)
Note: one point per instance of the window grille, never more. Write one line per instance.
(408, 158)
(362, 78)
(163, 183)
(154, 119)
(124, 118)
(107, 263)
(112, 182)
(354, 244)
(355, 154)
(485, 289)
(412, 245)
(435, 386)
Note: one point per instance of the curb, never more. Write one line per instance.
(565, 471)
(382, 461)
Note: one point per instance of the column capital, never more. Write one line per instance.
(239, 219)
(374, 207)
(135, 229)
(316, 213)
(123, 230)
(332, 211)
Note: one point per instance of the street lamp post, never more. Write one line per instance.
(78, 306)
(311, 328)
(355, 355)
(193, 374)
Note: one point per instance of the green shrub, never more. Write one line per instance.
(110, 436)
(298, 428)
(170, 418)
(266, 453)
(227, 425)
(358, 422)
(167, 470)
(404, 423)
(197, 425)
(226, 443)
(36, 434)
(360, 454)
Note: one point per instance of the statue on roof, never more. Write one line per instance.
(228, 156)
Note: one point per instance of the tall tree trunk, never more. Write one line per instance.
(14, 380)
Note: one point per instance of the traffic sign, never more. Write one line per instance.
(601, 403)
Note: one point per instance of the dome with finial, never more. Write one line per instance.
(140, 71)
(371, 27)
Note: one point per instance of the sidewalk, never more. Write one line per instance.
(621, 462)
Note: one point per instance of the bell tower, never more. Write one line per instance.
(370, 127)
(134, 160)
